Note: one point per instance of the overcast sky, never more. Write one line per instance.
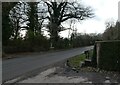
(105, 10)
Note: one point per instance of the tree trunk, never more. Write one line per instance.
(54, 34)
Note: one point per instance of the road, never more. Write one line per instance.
(15, 67)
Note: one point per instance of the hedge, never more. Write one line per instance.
(109, 55)
(94, 59)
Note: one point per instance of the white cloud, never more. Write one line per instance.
(91, 26)
(104, 10)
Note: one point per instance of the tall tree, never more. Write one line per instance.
(117, 26)
(60, 12)
(16, 20)
(34, 25)
(6, 25)
(112, 31)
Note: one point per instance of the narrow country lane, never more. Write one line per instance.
(15, 67)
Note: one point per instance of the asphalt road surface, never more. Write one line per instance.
(15, 67)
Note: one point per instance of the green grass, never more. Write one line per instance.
(91, 53)
(76, 60)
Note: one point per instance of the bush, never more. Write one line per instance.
(63, 44)
(32, 44)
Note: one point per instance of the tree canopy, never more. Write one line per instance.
(33, 17)
(59, 12)
(6, 25)
(112, 31)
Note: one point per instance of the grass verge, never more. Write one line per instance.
(75, 61)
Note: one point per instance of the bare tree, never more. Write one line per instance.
(60, 12)
(16, 20)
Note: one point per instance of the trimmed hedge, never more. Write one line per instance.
(30, 45)
(94, 59)
(109, 55)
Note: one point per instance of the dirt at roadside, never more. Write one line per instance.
(60, 73)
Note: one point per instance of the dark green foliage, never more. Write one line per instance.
(6, 24)
(32, 11)
(63, 43)
(109, 58)
(112, 32)
(79, 40)
(32, 22)
(6, 29)
(17, 45)
(34, 40)
(33, 44)
(38, 42)
(94, 59)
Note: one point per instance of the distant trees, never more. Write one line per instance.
(112, 31)
(84, 39)
(78, 40)
(33, 16)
